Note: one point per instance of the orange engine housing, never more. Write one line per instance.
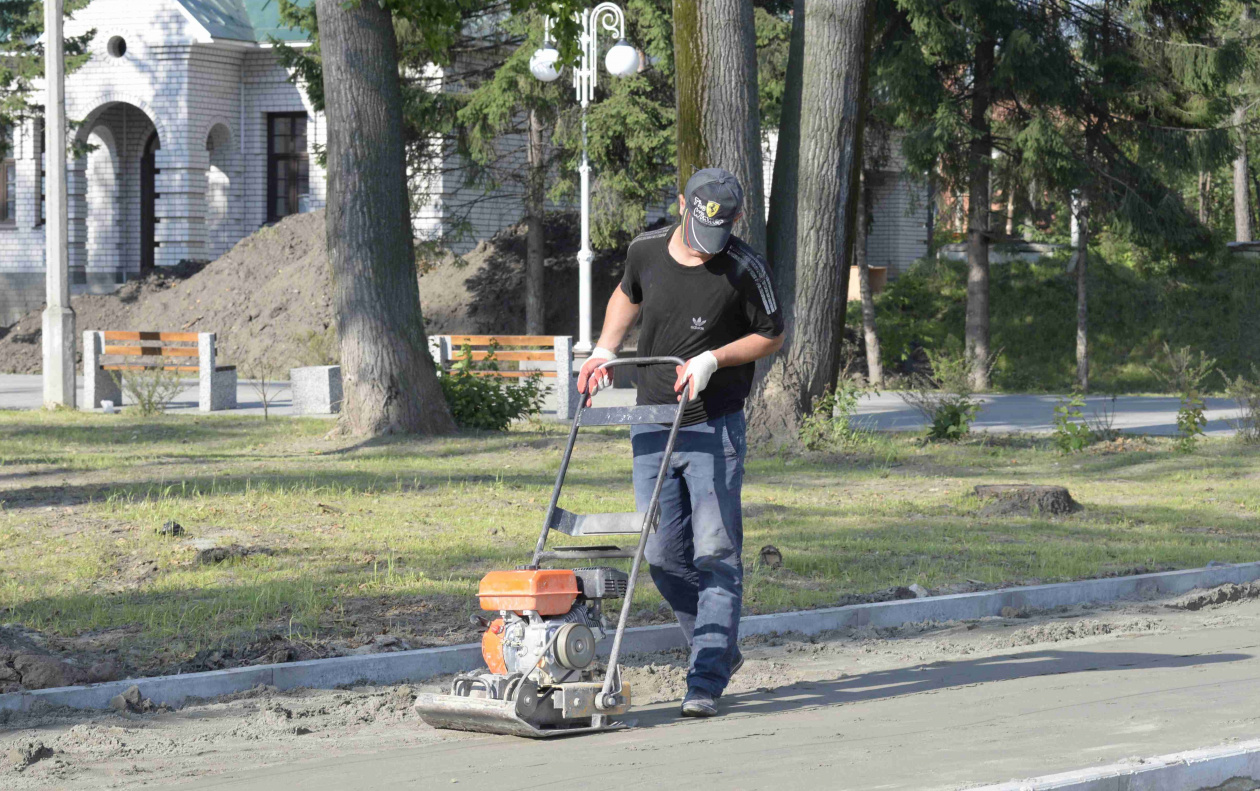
(546, 591)
(492, 647)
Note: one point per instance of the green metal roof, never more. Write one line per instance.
(244, 20)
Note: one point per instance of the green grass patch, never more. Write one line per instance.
(350, 540)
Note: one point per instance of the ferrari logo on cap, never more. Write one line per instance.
(712, 208)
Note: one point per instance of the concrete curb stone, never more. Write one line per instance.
(426, 663)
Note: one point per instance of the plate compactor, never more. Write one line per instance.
(540, 678)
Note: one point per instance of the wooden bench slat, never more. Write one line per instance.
(506, 356)
(147, 335)
(149, 367)
(151, 351)
(513, 374)
(503, 340)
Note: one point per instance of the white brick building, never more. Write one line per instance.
(198, 137)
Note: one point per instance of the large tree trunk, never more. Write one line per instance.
(1205, 194)
(535, 252)
(831, 62)
(1082, 313)
(874, 368)
(719, 122)
(1242, 189)
(981, 164)
(387, 375)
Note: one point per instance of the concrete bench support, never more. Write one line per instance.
(217, 386)
(316, 389)
(98, 385)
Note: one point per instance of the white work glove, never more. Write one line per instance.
(698, 369)
(590, 377)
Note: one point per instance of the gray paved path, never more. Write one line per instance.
(885, 412)
(934, 725)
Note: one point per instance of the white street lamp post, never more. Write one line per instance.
(58, 320)
(622, 60)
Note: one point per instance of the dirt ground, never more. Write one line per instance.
(271, 293)
(264, 727)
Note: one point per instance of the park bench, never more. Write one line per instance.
(130, 350)
(545, 354)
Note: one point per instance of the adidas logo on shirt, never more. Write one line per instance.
(697, 323)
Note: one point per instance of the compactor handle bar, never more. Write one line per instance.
(621, 416)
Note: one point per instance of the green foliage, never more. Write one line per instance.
(150, 389)
(22, 66)
(486, 401)
(945, 398)
(318, 348)
(1184, 372)
(1246, 393)
(1134, 309)
(829, 423)
(1071, 434)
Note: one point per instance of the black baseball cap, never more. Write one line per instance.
(713, 199)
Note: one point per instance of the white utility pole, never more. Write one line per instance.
(622, 61)
(59, 384)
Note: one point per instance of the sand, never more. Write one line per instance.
(785, 676)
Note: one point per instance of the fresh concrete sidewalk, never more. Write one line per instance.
(987, 718)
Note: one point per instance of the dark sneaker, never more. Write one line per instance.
(699, 703)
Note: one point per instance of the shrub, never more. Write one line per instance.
(1184, 373)
(945, 398)
(1071, 434)
(828, 424)
(485, 400)
(150, 389)
(1246, 393)
(318, 347)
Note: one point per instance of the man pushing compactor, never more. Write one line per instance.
(707, 297)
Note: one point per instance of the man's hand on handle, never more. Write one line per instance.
(590, 379)
(698, 370)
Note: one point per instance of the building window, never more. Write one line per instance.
(287, 163)
(117, 46)
(8, 177)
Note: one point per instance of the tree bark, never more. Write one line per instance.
(1205, 189)
(1082, 313)
(831, 61)
(874, 368)
(719, 119)
(1242, 189)
(978, 198)
(387, 375)
(535, 250)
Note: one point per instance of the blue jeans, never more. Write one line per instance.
(694, 555)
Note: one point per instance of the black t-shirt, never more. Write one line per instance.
(689, 310)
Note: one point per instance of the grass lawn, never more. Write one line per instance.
(346, 541)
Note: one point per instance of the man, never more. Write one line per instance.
(707, 297)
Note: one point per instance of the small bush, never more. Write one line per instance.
(316, 347)
(829, 425)
(1246, 393)
(486, 401)
(150, 389)
(945, 398)
(1184, 372)
(1071, 434)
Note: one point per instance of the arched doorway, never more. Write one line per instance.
(148, 203)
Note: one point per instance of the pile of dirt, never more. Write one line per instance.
(269, 298)
(1225, 594)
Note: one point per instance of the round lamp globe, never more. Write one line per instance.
(622, 60)
(542, 64)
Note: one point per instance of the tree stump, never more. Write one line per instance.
(1021, 500)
